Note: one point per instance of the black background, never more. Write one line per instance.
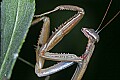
(105, 62)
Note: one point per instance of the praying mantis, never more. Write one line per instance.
(45, 44)
(66, 61)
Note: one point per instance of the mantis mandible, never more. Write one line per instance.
(45, 44)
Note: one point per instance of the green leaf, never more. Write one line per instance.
(16, 17)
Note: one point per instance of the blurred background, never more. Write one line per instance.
(105, 62)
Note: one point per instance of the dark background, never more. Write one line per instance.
(105, 62)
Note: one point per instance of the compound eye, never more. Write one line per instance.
(91, 30)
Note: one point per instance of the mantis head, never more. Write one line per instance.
(90, 34)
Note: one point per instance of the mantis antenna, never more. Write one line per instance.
(104, 18)
(109, 21)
